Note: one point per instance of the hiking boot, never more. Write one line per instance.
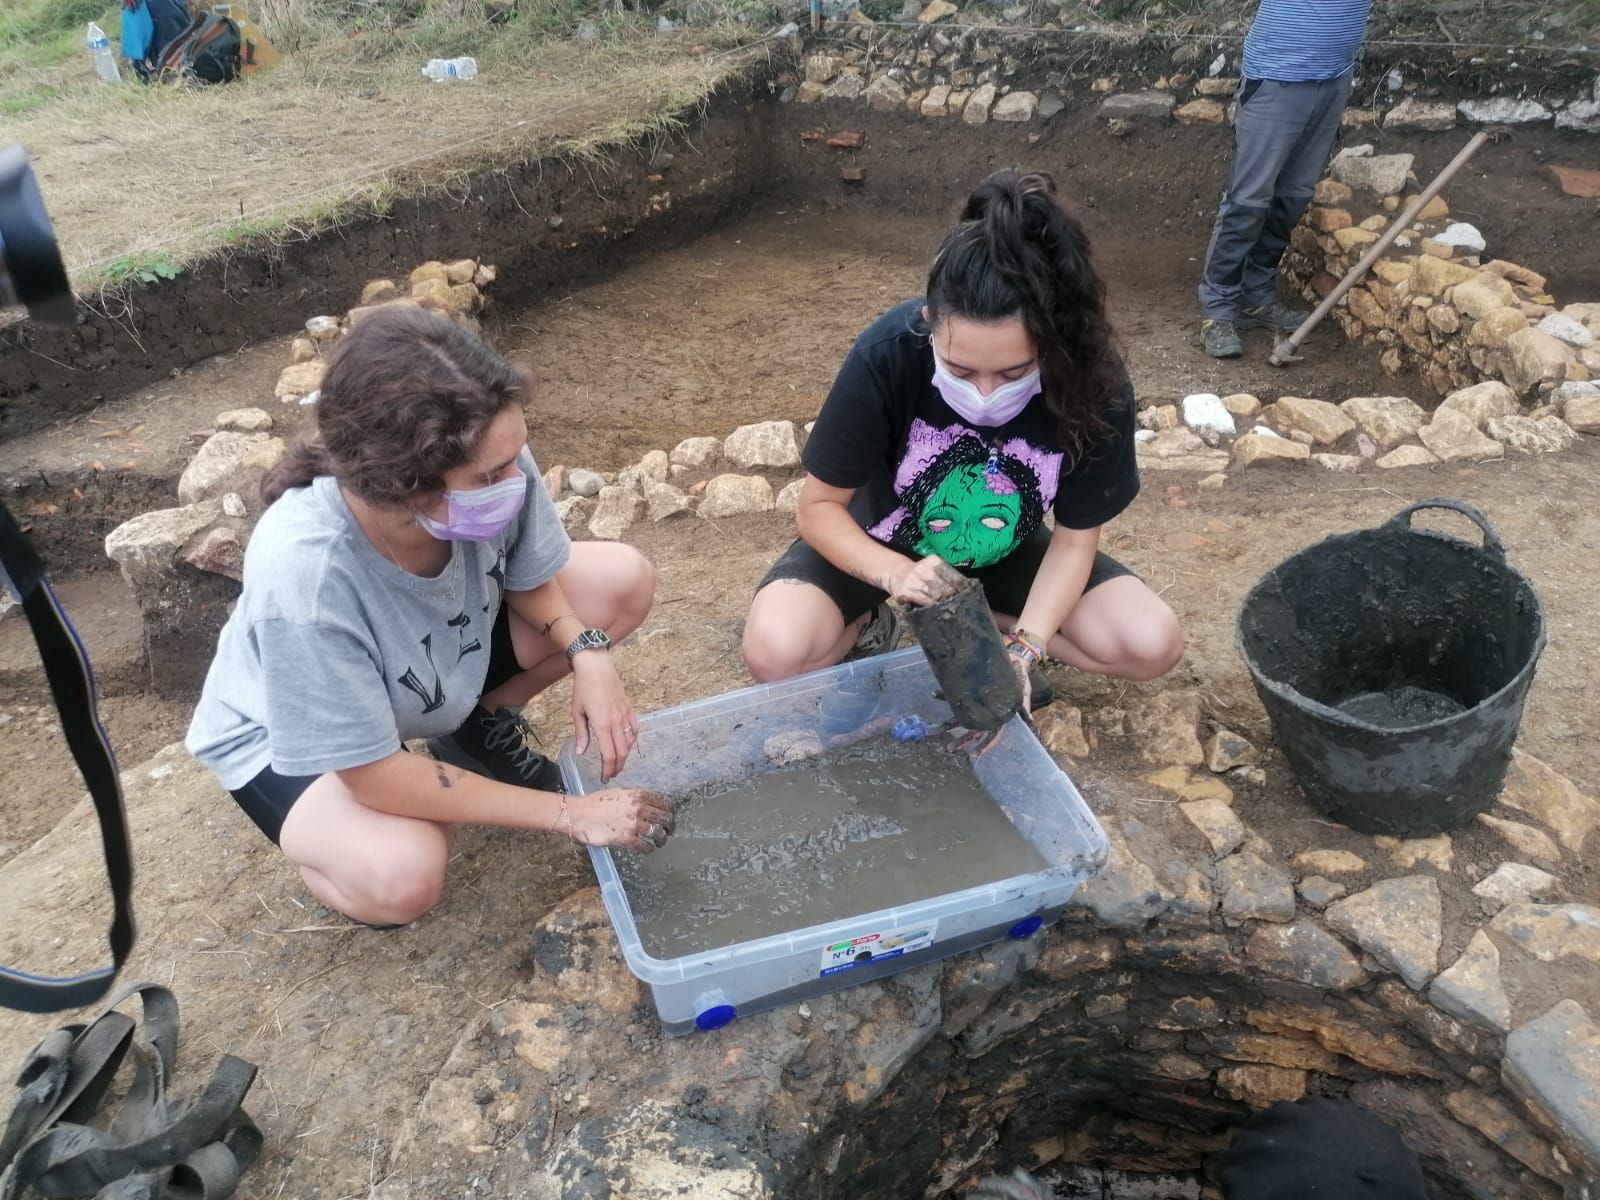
(880, 634)
(1042, 691)
(496, 745)
(1220, 339)
(1272, 316)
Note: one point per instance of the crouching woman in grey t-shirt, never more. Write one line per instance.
(410, 579)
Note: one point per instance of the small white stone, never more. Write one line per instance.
(1266, 431)
(323, 329)
(1463, 237)
(1205, 413)
(233, 505)
(1565, 329)
(584, 483)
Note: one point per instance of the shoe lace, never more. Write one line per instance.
(508, 734)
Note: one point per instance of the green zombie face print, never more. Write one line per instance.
(968, 500)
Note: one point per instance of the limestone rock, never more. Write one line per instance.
(462, 270)
(219, 552)
(1406, 853)
(229, 462)
(937, 10)
(1184, 889)
(1260, 450)
(1503, 110)
(617, 510)
(455, 299)
(1323, 421)
(1382, 174)
(1397, 921)
(379, 290)
(1552, 932)
(1217, 824)
(1213, 483)
(1216, 87)
(1305, 953)
(1583, 413)
(244, 420)
(1554, 1063)
(1050, 105)
(652, 468)
(1525, 840)
(1455, 438)
(810, 92)
(734, 495)
(297, 380)
(1205, 413)
(696, 452)
(1533, 357)
(1060, 730)
(1330, 862)
(1254, 889)
(1444, 318)
(1582, 116)
(1179, 450)
(1226, 750)
(322, 329)
(555, 482)
(302, 350)
(1353, 237)
(1515, 883)
(1166, 729)
(148, 545)
(1482, 294)
(1388, 420)
(789, 497)
(822, 68)
(1547, 435)
(1125, 894)
(585, 483)
(1016, 106)
(1482, 402)
(1260, 1087)
(937, 102)
(430, 270)
(849, 86)
(1202, 112)
(1566, 329)
(884, 94)
(769, 444)
(1412, 113)
(233, 506)
(1495, 328)
(1129, 106)
(979, 104)
(1242, 405)
(574, 513)
(1340, 464)
(663, 501)
(1471, 989)
(1190, 786)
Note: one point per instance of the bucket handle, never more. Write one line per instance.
(1491, 540)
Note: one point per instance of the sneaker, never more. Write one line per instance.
(496, 745)
(1220, 339)
(880, 634)
(1272, 316)
(1043, 692)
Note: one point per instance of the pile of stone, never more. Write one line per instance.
(1212, 434)
(185, 564)
(455, 289)
(606, 506)
(1433, 303)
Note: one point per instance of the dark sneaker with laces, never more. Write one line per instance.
(496, 745)
(1272, 316)
(1221, 339)
(880, 635)
(1043, 692)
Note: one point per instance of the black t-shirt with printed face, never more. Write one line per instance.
(929, 482)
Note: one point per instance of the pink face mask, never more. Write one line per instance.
(999, 406)
(478, 515)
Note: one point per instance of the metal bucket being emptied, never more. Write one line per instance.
(1394, 663)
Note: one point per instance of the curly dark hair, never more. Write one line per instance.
(1019, 251)
(407, 396)
(968, 452)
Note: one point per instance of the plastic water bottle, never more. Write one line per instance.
(105, 63)
(441, 69)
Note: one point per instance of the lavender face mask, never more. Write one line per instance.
(480, 514)
(999, 406)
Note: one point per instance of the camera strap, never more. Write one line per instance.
(66, 667)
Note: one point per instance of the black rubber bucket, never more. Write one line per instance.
(1394, 664)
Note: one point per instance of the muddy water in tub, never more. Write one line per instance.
(852, 831)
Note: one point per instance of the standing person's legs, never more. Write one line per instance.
(1272, 119)
(1296, 182)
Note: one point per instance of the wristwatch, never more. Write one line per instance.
(589, 639)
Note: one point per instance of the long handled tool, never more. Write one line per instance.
(1284, 351)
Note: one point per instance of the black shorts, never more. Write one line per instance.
(1005, 585)
(268, 797)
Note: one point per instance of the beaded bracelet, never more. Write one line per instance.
(1019, 640)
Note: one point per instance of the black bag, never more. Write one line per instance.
(207, 51)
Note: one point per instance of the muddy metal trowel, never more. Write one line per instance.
(968, 657)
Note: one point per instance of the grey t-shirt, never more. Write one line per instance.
(335, 655)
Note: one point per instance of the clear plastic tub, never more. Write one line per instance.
(724, 738)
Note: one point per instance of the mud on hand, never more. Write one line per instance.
(627, 818)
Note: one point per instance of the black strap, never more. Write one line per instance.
(150, 1150)
(66, 667)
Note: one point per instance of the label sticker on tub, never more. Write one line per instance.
(870, 947)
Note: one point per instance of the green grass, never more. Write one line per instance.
(147, 268)
(40, 33)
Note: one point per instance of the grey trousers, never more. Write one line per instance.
(1281, 141)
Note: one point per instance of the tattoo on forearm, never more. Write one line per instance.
(551, 623)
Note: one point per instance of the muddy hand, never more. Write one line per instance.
(629, 818)
(925, 582)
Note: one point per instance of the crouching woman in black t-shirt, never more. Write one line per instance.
(956, 423)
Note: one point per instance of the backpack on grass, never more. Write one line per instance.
(208, 52)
